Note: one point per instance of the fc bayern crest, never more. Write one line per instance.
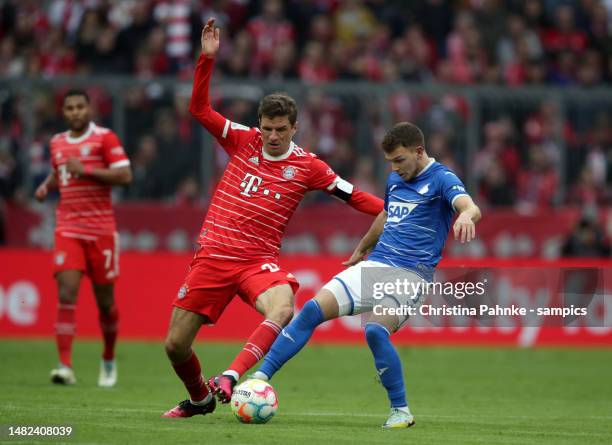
(85, 150)
(289, 172)
(60, 257)
(182, 292)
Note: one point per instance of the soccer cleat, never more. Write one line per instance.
(188, 409)
(108, 374)
(399, 419)
(63, 375)
(222, 386)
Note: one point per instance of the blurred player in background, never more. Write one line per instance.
(87, 161)
(265, 180)
(407, 239)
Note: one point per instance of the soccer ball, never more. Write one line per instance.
(254, 401)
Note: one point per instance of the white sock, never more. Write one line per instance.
(232, 373)
(204, 401)
(404, 409)
(260, 376)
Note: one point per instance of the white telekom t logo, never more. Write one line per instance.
(250, 184)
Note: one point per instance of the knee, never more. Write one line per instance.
(176, 351)
(105, 306)
(67, 293)
(281, 315)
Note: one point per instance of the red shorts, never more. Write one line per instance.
(95, 255)
(212, 283)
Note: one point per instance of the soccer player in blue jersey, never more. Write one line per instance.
(406, 239)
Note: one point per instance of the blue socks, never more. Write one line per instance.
(388, 363)
(293, 338)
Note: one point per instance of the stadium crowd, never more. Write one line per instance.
(467, 42)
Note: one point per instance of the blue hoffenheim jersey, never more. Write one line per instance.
(419, 217)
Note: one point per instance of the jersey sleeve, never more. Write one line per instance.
(230, 135)
(113, 152)
(452, 188)
(322, 176)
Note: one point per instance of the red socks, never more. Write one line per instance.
(108, 324)
(256, 347)
(190, 373)
(65, 329)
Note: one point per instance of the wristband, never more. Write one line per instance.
(88, 170)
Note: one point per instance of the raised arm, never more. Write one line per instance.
(199, 106)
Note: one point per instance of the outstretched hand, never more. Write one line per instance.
(210, 38)
(357, 256)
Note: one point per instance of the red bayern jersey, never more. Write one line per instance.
(257, 195)
(85, 207)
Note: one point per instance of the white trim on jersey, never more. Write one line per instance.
(79, 235)
(225, 128)
(281, 157)
(431, 161)
(121, 163)
(81, 138)
(225, 256)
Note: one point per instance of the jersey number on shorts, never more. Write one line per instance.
(108, 258)
(64, 174)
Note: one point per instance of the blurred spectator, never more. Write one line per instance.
(487, 41)
(146, 171)
(494, 188)
(10, 171)
(354, 21)
(538, 183)
(364, 176)
(315, 66)
(563, 34)
(516, 43)
(498, 150)
(268, 30)
(586, 240)
(586, 191)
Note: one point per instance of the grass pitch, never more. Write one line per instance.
(328, 395)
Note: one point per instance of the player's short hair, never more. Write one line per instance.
(278, 104)
(405, 134)
(76, 92)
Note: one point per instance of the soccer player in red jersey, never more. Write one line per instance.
(87, 161)
(264, 181)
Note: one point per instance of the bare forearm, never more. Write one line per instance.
(51, 180)
(472, 212)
